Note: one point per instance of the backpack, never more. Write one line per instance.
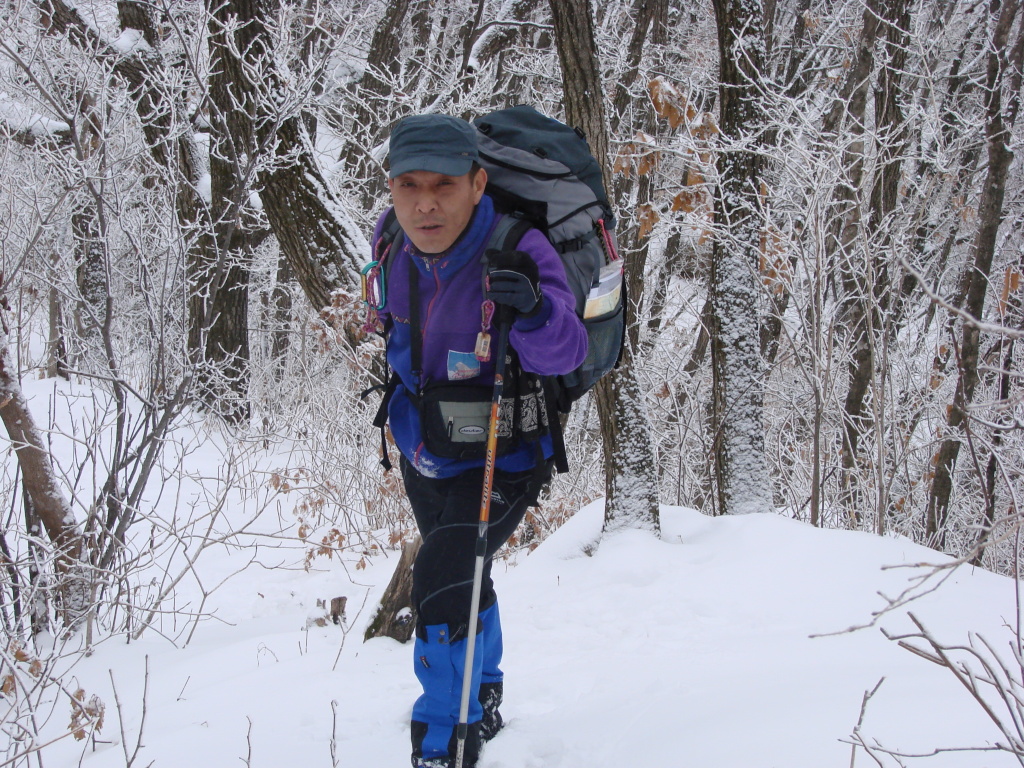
(542, 175)
(542, 172)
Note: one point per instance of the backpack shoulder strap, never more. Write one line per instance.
(392, 238)
(391, 229)
(555, 425)
(508, 232)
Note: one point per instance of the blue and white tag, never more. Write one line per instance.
(462, 365)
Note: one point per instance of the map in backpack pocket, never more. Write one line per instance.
(462, 365)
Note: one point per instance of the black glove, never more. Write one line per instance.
(513, 281)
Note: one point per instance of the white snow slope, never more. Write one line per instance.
(703, 648)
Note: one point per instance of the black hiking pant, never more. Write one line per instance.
(447, 513)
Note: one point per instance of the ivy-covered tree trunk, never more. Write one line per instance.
(631, 480)
(741, 472)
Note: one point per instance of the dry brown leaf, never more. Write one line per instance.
(623, 161)
(1011, 283)
(648, 217)
(648, 163)
(684, 202)
(669, 103)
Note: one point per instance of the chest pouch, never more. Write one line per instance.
(455, 417)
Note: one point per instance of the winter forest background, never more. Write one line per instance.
(818, 206)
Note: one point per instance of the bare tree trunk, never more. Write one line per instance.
(843, 229)
(396, 615)
(497, 47)
(56, 347)
(631, 482)
(742, 476)
(44, 500)
(323, 249)
(281, 303)
(990, 480)
(172, 145)
(651, 17)
(370, 100)
(1004, 71)
(90, 269)
(796, 79)
(869, 289)
(224, 321)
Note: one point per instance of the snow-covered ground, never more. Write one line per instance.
(712, 646)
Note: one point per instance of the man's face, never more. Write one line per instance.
(433, 209)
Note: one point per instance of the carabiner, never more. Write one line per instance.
(373, 290)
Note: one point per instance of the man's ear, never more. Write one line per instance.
(391, 185)
(479, 184)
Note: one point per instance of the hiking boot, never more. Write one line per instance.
(470, 752)
(491, 695)
(441, 762)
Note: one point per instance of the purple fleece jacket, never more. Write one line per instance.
(450, 296)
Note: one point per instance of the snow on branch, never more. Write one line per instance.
(28, 127)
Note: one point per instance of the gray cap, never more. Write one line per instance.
(437, 143)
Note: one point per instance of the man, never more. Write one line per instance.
(441, 311)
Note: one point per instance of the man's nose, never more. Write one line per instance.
(426, 202)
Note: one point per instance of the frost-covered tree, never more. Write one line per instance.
(1002, 92)
(741, 471)
(630, 477)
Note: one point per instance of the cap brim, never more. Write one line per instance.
(449, 166)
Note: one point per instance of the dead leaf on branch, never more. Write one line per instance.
(687, 201)
(705, 129)
(692, 177)
(1011, 284)
(648, 162)
(624, 160)
(647, 217)
(643, 150)
(86, 715)
(670, 103)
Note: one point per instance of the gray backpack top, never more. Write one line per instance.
(542, 171)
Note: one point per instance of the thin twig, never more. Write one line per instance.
(860, 720)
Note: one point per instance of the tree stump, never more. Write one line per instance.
(396, 616)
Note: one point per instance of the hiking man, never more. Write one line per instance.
(442, 299)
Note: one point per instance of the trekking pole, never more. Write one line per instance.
(462, 731)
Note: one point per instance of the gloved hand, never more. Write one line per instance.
(513, 281)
